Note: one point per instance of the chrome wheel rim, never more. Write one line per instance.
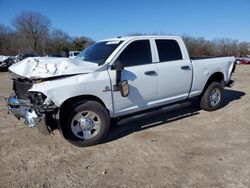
(215, 97)
(86, 125)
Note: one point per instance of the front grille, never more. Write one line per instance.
(21, 88)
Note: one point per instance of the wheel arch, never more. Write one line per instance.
(215, 77)
(76, 99)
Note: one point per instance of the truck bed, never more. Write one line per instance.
(205, 57)
(204, 67)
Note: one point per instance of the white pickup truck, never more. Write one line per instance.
(113, 78)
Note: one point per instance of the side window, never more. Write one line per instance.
(168, 50)
(136, 53)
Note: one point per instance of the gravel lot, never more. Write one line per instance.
(183, 148)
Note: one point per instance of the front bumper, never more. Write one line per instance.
(23, 109)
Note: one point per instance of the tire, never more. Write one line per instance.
(212, 97)
(86, 124)
(43, 126)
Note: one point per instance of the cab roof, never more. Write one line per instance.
(124, 38)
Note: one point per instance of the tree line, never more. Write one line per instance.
(32, 32)
(217, 47)
(199, 46)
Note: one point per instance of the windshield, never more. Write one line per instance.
(98, 52)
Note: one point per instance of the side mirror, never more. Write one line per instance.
(118, 66)
(124, 88)
(121, 86)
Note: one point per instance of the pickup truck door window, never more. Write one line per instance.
(174, 72)
(137, 53)
(141, 74)
(168, 50)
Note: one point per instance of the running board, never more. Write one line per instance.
(164, 108)
(176, 106)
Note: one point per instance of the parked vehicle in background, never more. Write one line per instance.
(114, 78)
(54, 55)
(6, 62)
(243, 60)
(3, 57)
(24, 55)
(73, 54)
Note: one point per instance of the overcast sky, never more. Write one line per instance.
(110, 18)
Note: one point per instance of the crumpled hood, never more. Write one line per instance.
(45, 67)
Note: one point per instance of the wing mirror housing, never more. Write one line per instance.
(118, 67)
(124, 88)
(121, 86)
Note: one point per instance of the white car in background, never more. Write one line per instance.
(73, 54)
(6, 62)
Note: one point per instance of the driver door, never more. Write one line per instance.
(141, 75)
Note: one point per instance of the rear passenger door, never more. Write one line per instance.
(174, 72)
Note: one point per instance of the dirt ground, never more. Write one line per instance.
(183, 148)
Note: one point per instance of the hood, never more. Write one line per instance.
(45, 67)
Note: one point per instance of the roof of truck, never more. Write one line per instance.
(123, 38)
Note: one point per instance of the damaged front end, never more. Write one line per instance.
(33, 104)
(33, 107)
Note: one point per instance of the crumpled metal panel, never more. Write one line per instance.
(45, 67)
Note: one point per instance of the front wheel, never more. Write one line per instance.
(212, 97)
(87, 123)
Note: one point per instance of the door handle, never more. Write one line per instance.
(150, 73)
(185, 67)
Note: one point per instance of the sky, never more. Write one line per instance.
(100, 19)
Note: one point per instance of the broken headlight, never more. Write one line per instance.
(37, 98)
(40, 104)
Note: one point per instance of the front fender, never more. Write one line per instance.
(94, 84)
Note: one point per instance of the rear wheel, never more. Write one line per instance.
(87, 123)
(212, 97)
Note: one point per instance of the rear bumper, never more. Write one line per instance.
(230, 83)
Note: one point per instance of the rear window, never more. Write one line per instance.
(168, 50)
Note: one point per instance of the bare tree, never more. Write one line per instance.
(243, 49)
(33, 26)
(80, 43)
(58, 41)
(6, 35)
(32, 33)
